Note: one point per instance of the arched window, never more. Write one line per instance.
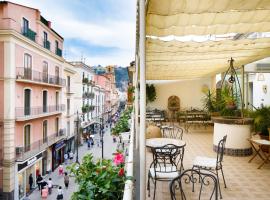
(45, 130)
(27, 137)
(27, 66)
(44, 99)
(27, 102)
(45, 72)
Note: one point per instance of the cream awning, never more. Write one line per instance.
(186, 60)
(202, 17)
(189, 60)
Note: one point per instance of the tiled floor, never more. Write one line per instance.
(244, 180)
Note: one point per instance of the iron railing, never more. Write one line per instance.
(22, 112)
(24, 152)
(30, 34)
(58, 52)
(29, 74)
(47, 44)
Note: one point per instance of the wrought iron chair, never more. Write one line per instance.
(212, 165)
(206, 183)
(172, 132)
(165, 165)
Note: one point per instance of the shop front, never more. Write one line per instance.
(70, 145)
(32, 166)
(58, 151)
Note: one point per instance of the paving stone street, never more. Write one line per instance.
(109, 148)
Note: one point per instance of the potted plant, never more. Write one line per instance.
(210, 103)
(262, 121)
(150, 93)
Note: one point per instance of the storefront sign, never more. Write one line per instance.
(28, 162)
(59, 145)
(32, 160)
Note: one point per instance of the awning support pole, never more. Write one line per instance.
(142, 101)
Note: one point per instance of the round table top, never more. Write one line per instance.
(160, 142)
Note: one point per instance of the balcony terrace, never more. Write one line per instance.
(32, 76)
(244, 181)
(22, 153)
(27, 113)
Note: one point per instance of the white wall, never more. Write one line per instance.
(189, 92)
(259, 97)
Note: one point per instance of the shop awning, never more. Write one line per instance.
(176, 59)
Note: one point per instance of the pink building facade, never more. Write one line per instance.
(31, 90)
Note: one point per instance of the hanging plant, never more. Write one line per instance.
(150, 93)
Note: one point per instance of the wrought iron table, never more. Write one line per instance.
(160, 142)
(258, 151)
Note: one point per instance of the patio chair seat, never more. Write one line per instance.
(207, 162)
(165, 172)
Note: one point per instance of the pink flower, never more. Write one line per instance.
(121, 172)
(118, 159)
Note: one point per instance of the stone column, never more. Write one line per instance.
(9, 119)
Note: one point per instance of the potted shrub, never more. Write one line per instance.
(210, 103)
(262, 121)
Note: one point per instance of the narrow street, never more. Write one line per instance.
(109, 148)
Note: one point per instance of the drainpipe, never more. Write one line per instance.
(142, 101)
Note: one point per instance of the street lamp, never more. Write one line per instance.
(101, 135)
(77, 143)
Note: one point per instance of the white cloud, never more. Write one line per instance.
(108, 33)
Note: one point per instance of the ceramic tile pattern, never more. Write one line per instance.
(244, 180)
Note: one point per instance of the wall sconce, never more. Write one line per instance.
(260, 77)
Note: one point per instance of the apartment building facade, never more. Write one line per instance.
(31, 96)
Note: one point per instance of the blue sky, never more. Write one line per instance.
(101, 31)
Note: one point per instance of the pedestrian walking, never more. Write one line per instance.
(44, 193)
(88, 144)
(31, 182)
(66, 180)
(60, 170)
(50, 185)
(71, 156)
(60, 194)
(39, 180)
(66, 158)
(43, 184)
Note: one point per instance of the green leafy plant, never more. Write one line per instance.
(85, 80)
(99, 180)
(150, 93)
(262, 120)
(122, 124)
(209, 101)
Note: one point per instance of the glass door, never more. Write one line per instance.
(45, 94)
(27, 138)
(45, 72)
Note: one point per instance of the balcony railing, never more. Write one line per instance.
(47, 44)
(22, 153)
(89, 95)
(58, 52)
(29, 34)
(23, 112)
(32, 75)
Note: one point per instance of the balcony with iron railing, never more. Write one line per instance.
(26, 113)
(58, 52)
(47, 44)
(27, 74)
(88, 95)
(29, 34)
(24, 152)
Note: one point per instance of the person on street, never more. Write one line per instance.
(39, 180)
(71, 156)
(66, 180)
(44, 193)
(66, 158)
(60, 170)
(31, 182)
(26, 197)
(88, 144)
(43, 184)
(60, 194)
(50, 185)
